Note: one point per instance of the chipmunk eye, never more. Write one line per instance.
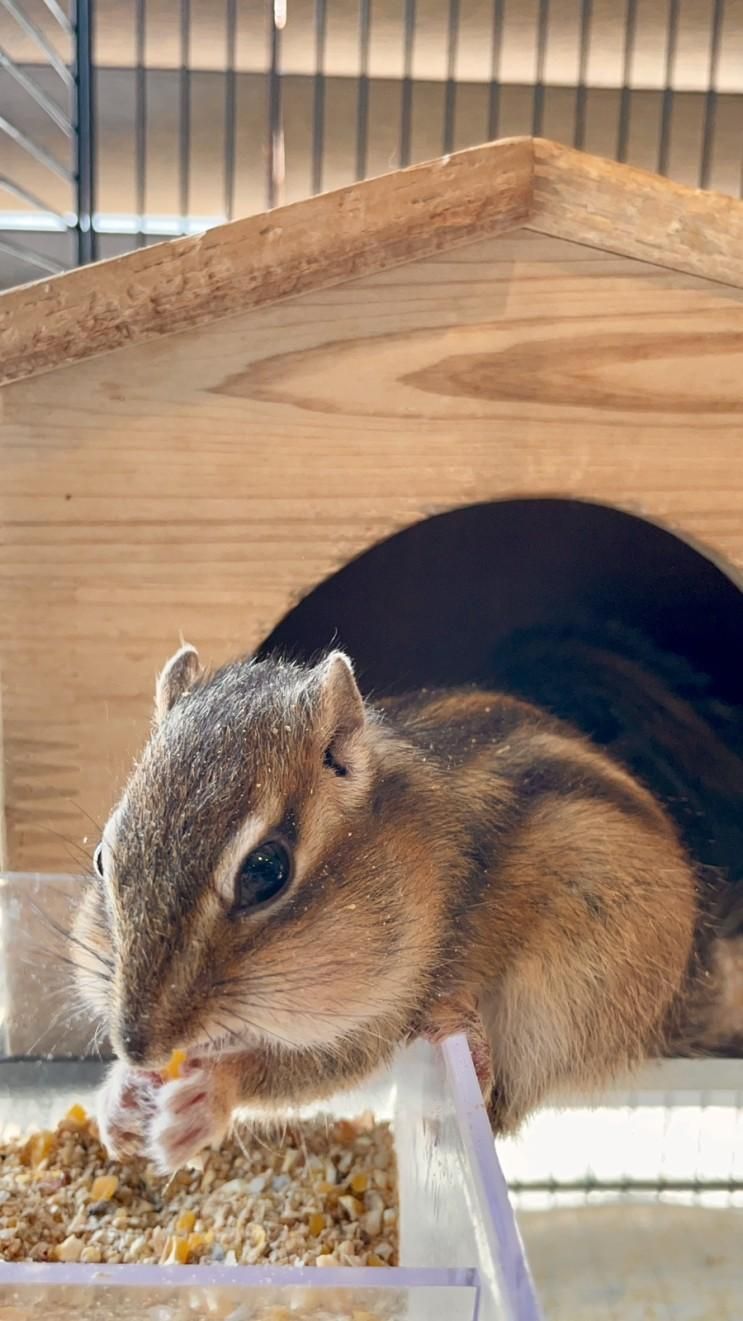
(98, 861)
(262, 875)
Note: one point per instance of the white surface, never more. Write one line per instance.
(637, 1262)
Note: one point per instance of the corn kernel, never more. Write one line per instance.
(77, 1114)
(104, 1188)
(317, 1223)
(185, 1222)
(374, 1260)
(175, 1252)
(38, 1148)
(174, 1067)
(195, 1242)
(360, 1182)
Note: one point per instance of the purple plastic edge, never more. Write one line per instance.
(497, 1212)
(28, 1274)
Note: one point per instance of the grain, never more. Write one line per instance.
(325, 1196)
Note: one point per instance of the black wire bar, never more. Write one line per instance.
(362, 96)
(625, 96)
(710, 100)
(140, 119)
(85, 164)
(496, 51)
(666, 112)
(450, 93)
(275, 151)
(230, 108)
(318, 106)
(543, 22)
(581, 91)
(406, 91)
(184, 155)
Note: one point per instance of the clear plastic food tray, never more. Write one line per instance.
(461, 1255)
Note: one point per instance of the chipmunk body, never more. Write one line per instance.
(295, 883)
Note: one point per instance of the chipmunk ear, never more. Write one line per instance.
(180, 674)
(342, 707)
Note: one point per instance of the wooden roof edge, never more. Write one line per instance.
(361, 229)
(636, 214)
(324, 240)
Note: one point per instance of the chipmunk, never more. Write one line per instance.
(296, 882)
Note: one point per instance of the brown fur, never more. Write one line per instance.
(480, 867)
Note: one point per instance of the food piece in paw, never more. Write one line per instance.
(174, 1067)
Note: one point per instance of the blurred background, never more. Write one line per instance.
(126, 121)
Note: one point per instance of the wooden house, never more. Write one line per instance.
(450, 396)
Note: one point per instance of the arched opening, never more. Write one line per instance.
(429, 605)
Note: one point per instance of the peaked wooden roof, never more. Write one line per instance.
(367, 227)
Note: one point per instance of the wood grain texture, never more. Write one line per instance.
(635, 213)
(311, 244)
(201, 484)
(369, 227)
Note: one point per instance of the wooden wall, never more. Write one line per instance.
(200, 485)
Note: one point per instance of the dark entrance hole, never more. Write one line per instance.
(429, 605)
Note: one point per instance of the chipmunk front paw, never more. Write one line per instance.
(461, 1015)
(168, 1123)
(192, 1112)
(126, 1105)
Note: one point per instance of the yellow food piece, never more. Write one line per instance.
(104, 1188)
(374, 1260)
(70, 1250)
(77, 1114)
(38, 1148)
(185, 1222)
(176, 1252)
(360, 1182)
(316, 1223)
(198, 1241)
(174, 1067)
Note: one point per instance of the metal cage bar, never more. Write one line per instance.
(406, 91)
(525, 68)
(140, 115)
(537, 120)
(230, 109)
(85, 163)
(450, 94)
(362, 94)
